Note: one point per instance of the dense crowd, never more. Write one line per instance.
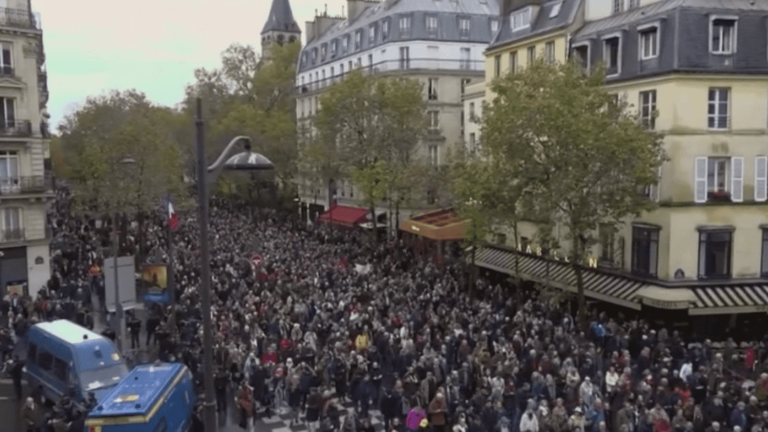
(332, 319)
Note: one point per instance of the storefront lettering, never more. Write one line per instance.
(538, 251)
(665, 304)
(761, 308)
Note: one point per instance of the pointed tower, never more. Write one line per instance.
(280, 27)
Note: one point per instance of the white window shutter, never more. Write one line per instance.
(655, 188)
(761, 178)
(701, 180)
(737, 179)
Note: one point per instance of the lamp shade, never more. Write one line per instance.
(248, 161)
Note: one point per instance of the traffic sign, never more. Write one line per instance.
(257, 261)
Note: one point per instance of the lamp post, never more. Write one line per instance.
(229, 159)
(119, 313)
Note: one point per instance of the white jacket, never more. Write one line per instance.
(529, 423)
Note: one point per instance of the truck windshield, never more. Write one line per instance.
(109, 376)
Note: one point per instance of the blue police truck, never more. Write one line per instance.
(153, 397)
(64, 359)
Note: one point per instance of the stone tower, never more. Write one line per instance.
(280, 27)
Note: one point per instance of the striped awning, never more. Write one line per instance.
(598, 285)
(730, 299)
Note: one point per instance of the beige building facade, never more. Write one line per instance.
(25, 183)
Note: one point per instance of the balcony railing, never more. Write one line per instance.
(20, 18)
(398, 65)
(6, 70)
(12, 235)
(15, 128)
(25, 185)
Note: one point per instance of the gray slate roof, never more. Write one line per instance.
(542, 22)
(281, 18)
(480, 13)
(659, 8)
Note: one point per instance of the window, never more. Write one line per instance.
(334, 48)
(384, 30)
(472, 139)
(471, 111)
(520, 19)
(32, 353)
(432, 88)
(555, 11)
(497, 66)
(466, 59)
(341, 71)
(612, 55)
(531, 55)
(723, 36)
(314, 56)
(719, 178)
(464, 84)
(358, 40)
(9, 170)
(434, 119)
(433, 155)
(581, 55)
(405, 60)
(370, 63)
(432, 25)
(60, 369)
(715, 254)
(618, 6)
(405, 25)
(764, 260)
(634, 4)
(494, 26)
(323, 83)
(45, 360)
(645, 250)
(761, 178)
(333, 74)
(549, 52)
(6, 65)
(648, 108)
(323, 50)
(345, 43)
(607, 240)
(431, 196)
(649, 43)
(372, 35)
(464, 27)
(513, 62)
(718, 113)
(162, 426)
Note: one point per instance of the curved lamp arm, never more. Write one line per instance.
(215, 169)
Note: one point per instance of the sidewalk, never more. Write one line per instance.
(133, 357)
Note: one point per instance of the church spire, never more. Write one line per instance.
(281, 19)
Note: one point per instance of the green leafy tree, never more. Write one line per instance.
(579, 156)
(97, 142)
(369, 121)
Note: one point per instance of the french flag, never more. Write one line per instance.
(173, 218)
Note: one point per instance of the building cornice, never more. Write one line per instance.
(533, 38)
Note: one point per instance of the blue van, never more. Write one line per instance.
(62, 356)
(158, 397)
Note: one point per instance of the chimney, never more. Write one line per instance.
(310, 26)
(355, 8)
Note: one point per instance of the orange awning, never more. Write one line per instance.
(437, 225)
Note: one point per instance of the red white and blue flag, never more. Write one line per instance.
(173, 219)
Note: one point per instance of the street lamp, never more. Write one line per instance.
(119, 313)
(229, 159)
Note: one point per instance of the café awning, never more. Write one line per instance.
(436, 225)
(344, 216)
(730, 299)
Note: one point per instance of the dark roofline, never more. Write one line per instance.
(497, 45)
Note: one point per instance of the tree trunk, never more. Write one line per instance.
(576, 264)
(140, 218)
(397, 219)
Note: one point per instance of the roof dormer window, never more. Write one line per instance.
(432, 25)
(521, 19)
(345, 43)
(358, 39)
(384, 30)
(323, 51)
(334, 47)
(494, 26)
(372, 35)
(314, 56)
(464, 27)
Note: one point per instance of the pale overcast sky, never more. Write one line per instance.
(151, 45)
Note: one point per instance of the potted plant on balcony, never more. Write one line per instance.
(720, 196)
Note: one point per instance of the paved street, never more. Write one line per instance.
(9, 408)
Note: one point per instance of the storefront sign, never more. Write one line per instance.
(661, 304)
(530, 250)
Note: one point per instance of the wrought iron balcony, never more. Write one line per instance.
(25, 185)
(20, 18)
(15, 128)
(12, 235)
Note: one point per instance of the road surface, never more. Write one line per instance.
(9, 408)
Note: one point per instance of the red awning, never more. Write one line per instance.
(345, 216)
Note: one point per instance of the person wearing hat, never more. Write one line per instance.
(577, 419)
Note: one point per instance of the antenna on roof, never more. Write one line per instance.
(326, 8)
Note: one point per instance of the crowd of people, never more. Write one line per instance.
(332, 320)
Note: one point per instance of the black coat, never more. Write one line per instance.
(391, 405)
